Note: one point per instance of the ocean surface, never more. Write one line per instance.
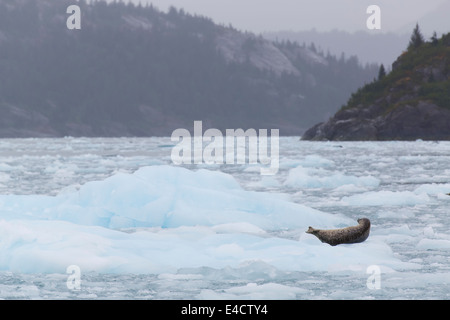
(84, 218)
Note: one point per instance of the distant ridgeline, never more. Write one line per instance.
(135, 71)
(411, 102)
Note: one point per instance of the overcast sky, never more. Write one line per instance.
(323, 15)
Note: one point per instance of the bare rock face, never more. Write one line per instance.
(425, 121)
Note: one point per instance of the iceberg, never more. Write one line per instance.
(387, 198)
(162, 218)
(306, 177)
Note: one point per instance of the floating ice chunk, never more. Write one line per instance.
(253, 291)
(386, 198)
(239, 227)
(433, 244)
(401, 234)
(301, 177)
(164, 196)
(171, 218)
(349, 188)
(413, 159)
(398, 214)
(4, 177)
(252, 168)
(428, 232)
(230, 250)
(265, 182)
(433, 188)
(50, 246)
(316, 161)
(170, 276)
(373, 251)
(403, 230)
(5, 167)
(443, 196)
(256, 270)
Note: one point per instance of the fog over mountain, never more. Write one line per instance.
(137, 71)
(334, 26)
(436, 20)
(302, 15)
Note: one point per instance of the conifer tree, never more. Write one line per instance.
(381, 72)
(416, 38)
(434, 39)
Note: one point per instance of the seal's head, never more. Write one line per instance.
(364, 222)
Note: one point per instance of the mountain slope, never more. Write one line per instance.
(136, 71)
(412, 102)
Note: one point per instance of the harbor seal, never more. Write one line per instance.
(354, 234)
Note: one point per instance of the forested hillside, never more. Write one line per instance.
(136, 71)
(410, 102)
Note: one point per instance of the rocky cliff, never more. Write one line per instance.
(411, 102)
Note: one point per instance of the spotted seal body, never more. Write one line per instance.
(354, 234)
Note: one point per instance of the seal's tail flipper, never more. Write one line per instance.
(310, 230)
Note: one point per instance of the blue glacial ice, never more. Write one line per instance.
(162, 218)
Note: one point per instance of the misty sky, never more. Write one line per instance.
(323, 15)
